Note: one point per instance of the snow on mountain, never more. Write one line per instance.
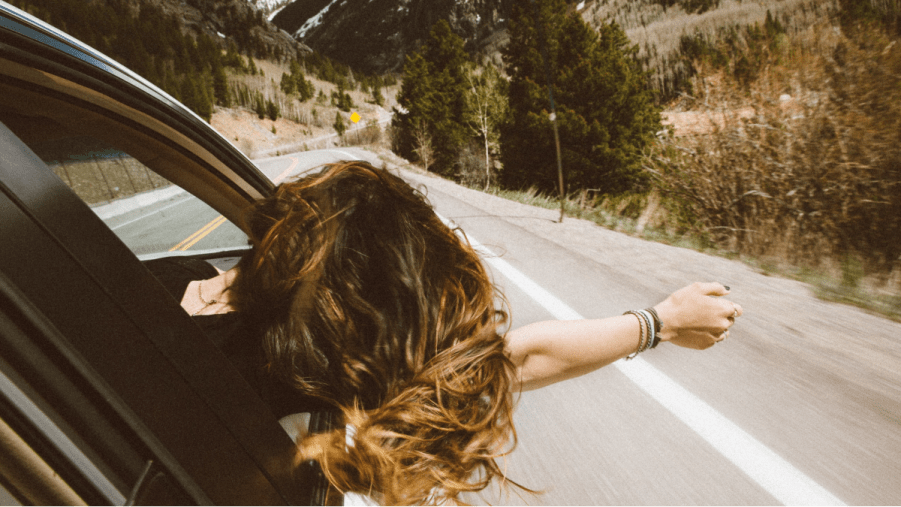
(313, 22)
(269, 7)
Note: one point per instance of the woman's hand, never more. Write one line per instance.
(695, 317)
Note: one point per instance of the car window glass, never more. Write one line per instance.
(152, 216)
(6, 498)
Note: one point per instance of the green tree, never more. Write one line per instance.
(342, 99)
(605, 112)
(195, 96)
(296, 82)
(377, 97)
(433, 93)
(220, 86)
(413, 105)
(339, 124)
(234, 59)
(305, 88)
(272, 110)
(259, 106)
(288, 84)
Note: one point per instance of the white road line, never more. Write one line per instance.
(133, 220)
(345, 154)
(778, 477)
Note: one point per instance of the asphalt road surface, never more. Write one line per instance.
(801, 422)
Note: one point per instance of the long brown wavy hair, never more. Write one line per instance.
(368, 302)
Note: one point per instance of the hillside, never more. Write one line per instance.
(300, 125)
(373, 36)
(660, 32)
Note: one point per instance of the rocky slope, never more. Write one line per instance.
(373, 36)
(235, 20)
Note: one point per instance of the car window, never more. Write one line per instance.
(151, 215)
(6, 498)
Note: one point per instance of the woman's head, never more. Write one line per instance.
(368, 301)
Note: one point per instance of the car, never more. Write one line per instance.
(109, 392)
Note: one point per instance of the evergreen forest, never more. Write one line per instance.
(191, 65)
(605, 111)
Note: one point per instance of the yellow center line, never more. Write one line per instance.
(193, 238)
(216, 222)
(287, 171)
(200, 237)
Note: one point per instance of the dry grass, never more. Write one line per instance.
(813, 179)
(657, 31)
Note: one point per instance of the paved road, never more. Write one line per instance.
(739, 424)
(184, 223)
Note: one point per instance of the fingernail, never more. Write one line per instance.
(727, 287)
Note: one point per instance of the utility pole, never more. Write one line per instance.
(550, 92)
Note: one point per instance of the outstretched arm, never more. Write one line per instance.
(551, 351)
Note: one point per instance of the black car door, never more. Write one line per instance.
(103, 377)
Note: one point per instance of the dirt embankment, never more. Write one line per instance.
(253, 135)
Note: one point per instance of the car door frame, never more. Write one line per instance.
(101, 330)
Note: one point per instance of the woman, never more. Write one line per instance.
(356, 297)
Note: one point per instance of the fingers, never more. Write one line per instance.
(711, 288)
(732, 310)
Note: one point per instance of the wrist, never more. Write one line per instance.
(666, 314)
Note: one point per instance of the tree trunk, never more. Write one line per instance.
(487, 164)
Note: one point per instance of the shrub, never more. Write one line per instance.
(817, 175)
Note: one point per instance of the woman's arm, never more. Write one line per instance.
(551, 351)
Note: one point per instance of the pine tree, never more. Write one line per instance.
(434, 93)
(288, 84)
(259, 106)
(339, 125)
(220, 86)
(605, 111)
(272, 110)
(377, 97)
(413, 105)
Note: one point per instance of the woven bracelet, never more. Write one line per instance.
(652, 335)
(641, 334)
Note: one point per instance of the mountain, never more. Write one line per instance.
(237, 21)
(373, 36)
